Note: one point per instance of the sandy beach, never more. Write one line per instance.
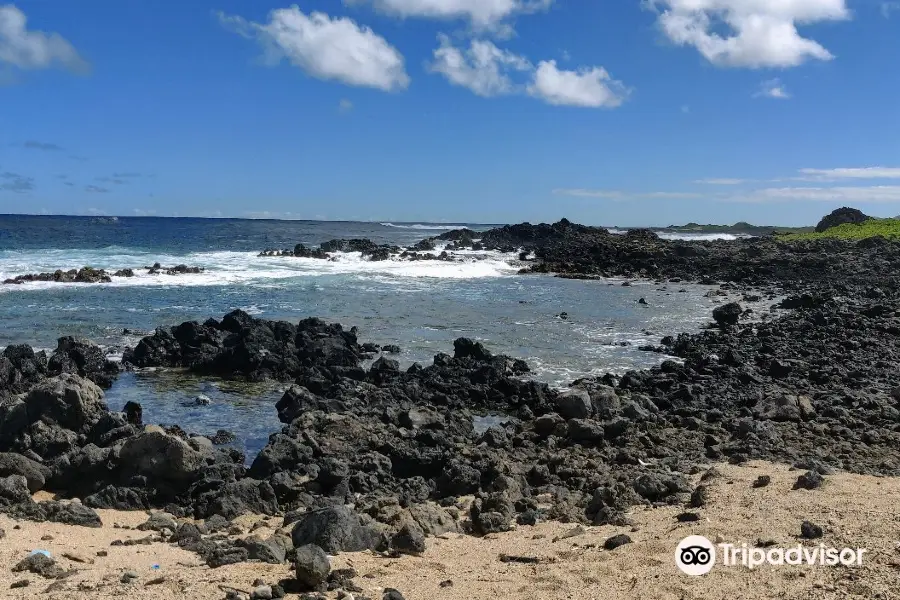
(570, 561)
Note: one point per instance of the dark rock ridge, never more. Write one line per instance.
(92, 275)
(83, 275)
(579, 251)
(366, 247)
(21, 368)
(240, 346)
(839, 216)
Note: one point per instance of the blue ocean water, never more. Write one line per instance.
(420, 306)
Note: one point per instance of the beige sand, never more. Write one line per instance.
(855, 511)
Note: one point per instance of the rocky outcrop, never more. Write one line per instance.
(83, 275)
(92, 275)
(366, 247)
(840, 216)
(578, 251)
(241, 346)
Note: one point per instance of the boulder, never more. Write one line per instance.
(574, 404)
(16, 464)
(784, 407)
(66, 400)
(334, 529)
(467, 348)
(68, 513)
(159, 456)
(14, 490)
(312, 567)
(727, 314)
(85, 358)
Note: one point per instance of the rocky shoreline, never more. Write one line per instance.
(92, 275)
(382, 458)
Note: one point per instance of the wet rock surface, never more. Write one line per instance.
(92, 275)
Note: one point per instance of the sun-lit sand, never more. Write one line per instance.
(854, 511)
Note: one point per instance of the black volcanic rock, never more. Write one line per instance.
(840, 216)
(242, 346)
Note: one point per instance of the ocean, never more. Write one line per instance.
(420, 306)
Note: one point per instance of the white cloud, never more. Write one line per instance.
(345, 105)
(619, 195)
(482, 14)
(26, 49)
(850, 173)
(589, 87)
(875, 194)
(760, 33)
(685, 109)
(721, 181)
(889, 7)
(488, 71)
(773, 88)
(483, 68)
(327, 48)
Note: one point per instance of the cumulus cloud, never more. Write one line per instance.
(875, 194)
(27, 49)
(850, 173)
(483, 67)
(589, 87)
(482, 14)
(345, 106)
(489, 71)
(326, 48)
(96, 189)
(749, 33)
(773, 88)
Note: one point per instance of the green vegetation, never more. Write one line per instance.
(888, 228)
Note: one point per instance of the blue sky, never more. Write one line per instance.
(625, 112)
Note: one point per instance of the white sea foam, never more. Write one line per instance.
(230, 268)
(689, 237)
(424, 226)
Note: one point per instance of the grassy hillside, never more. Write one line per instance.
(888, 228)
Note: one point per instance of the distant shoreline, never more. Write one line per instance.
(740, 228)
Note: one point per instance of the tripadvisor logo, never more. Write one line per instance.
(696, 555)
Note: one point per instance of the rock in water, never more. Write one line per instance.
(313, 566)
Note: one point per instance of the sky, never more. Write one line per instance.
(614, 112)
